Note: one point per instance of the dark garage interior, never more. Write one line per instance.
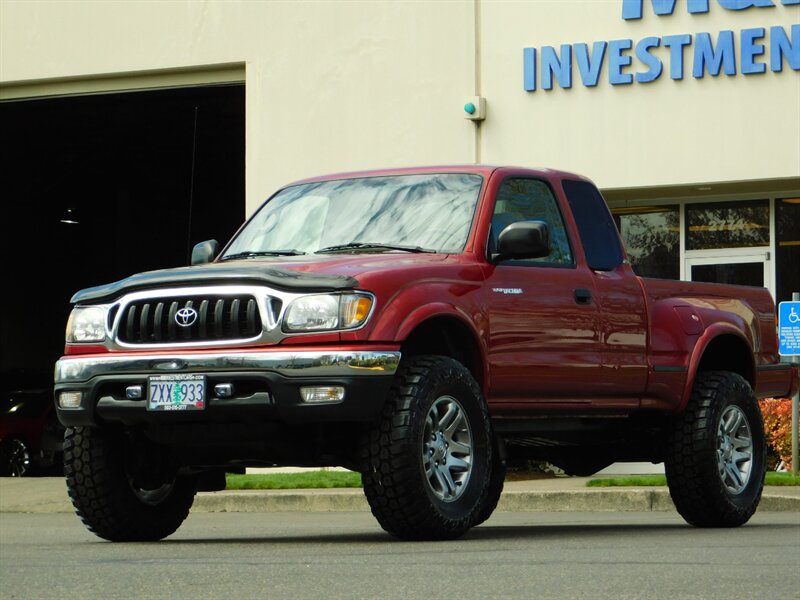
(98, 187)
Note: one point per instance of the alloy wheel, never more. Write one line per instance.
(447, 449)
(734, 449)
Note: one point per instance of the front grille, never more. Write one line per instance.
(156, 320)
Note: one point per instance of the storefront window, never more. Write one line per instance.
(727, 225)
(652, 237)
(787, 219)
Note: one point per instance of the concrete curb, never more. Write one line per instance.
(619, 500)
(281, 500)
(49, 495)
(590, 500)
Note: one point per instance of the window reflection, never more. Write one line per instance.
(787, 219)
(727, 225)
(530, 200)
(651, 235)
(432, 211)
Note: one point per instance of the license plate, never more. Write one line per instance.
(176, 392)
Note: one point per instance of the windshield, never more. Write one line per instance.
(409, 212)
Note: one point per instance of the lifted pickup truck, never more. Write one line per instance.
(423, 327)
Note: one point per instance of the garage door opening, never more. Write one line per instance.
(96, 188)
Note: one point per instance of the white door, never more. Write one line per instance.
(732, 267)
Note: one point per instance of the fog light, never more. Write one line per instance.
(333, 393)
(69, 400)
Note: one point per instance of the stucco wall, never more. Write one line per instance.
(330, 86)
(722, 128)
(349, 85)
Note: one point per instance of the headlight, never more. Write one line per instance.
(326, 312)
(87, 324)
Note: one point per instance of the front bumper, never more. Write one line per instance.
(266, 383)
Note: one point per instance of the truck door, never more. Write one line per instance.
(618, 295)
(543, 325)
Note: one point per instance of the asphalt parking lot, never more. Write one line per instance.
(346, 555)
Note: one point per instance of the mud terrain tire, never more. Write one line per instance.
(716, 453)
(495, 489)
(426, 463)
(105, 498)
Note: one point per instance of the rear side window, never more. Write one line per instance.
(595, 225)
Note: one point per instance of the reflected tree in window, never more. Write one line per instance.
(727, 225)
(527, 200)
(652, 239)
(788, 248)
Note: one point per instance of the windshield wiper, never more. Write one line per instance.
(372, 246)
(254, 254)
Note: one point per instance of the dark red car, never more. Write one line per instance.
(31, 438)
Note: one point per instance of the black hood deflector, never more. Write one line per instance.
(219, 274)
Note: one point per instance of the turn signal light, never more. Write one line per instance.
(320, 394)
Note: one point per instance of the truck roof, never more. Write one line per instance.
(484, 170)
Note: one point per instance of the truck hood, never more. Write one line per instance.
(314, 273)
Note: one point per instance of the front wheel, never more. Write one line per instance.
(427, 462)
(496, 482)
(716, 453)
(110, 500)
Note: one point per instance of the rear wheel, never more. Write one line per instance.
(427, 462)
(716, 453)
(112, 502)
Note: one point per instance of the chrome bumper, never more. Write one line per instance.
(288, 364)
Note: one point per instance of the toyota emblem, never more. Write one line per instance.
(186, 317)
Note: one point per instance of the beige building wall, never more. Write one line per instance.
(360, 84)
(330, 86)
(724, 128)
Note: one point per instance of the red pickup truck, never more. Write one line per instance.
(423, 327)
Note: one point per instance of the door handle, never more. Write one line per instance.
(583, 296)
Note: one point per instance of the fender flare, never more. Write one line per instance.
(438, 309)
(712, 333)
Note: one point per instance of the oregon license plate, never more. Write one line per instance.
(176, 392)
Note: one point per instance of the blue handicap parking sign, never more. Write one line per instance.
(789, 328)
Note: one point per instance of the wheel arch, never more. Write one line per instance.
(724, 350)
(446, 335)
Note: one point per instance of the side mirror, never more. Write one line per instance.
(523, 239)
(204, 252)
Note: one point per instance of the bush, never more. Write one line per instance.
(777, 413)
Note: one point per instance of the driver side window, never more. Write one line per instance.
(531, 200)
